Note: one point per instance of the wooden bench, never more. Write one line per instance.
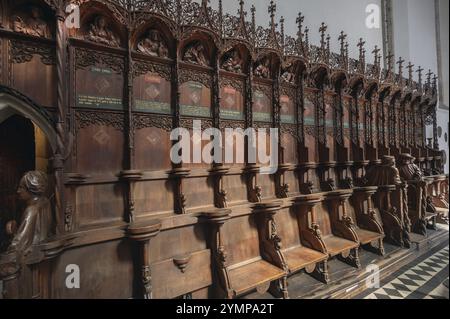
(368, 228)
(246, 251)
(298, 257)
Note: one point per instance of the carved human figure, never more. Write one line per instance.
(262, 69)
(408, 170)
(34, 25)
(36, 219)
(99, 32)
(288, 75)
(153, 44)
(411, 172)
(196, 54)
(233, 62)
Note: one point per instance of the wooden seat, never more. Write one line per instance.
(366, 236)
(245, 278)
(300, 257)
(337, 245)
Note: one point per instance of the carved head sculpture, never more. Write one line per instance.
(100, 22)
(36, 13)
(31, 185)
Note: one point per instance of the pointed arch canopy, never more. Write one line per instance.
(13, 102)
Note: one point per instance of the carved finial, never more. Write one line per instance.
(434, 87)
(375, 51)
(328, 45)
(253, 11)
(410, 72)
(420, 70)
(341, 39)
(346, 51)
(361, 44)
(389, 59)
(307, 38)
(429, 74)
(323, 28)
(272, 10)
(299, 21)
(241, 12)
(400, 67)
(282, 31)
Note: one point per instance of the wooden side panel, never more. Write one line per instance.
(106, 271)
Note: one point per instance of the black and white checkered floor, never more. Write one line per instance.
(426, 278)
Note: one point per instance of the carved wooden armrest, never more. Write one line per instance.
(312, 238)
(345, 228)
(371, 223)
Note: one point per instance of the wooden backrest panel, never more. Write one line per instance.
(241, 240)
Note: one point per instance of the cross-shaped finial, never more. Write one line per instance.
(429, 74)
(323, 28)
(420, 70)
(299, 21)
(241, 6)
(342, 38)
(376, 50)
(361, 44)
(410, 71)
(400, 66)
(272, 9)
(389, 59)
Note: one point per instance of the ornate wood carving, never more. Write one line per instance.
(88, 118)
(23, 51)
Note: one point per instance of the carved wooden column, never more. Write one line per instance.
(218, 170)
(61, 105)
(142, 233)
(178, 172)
(130, 175)
(270, 244)
(343, 225)
(311, 236)
(251, 170)
(366, 215)
(222, 288)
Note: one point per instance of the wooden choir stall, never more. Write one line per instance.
(87, 115)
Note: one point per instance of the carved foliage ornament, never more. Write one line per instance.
(88, 118)
(23, 51)
(187, 75)
(141, 68)
(141, 121)
(85, 58)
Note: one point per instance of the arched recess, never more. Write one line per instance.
(12, 102)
